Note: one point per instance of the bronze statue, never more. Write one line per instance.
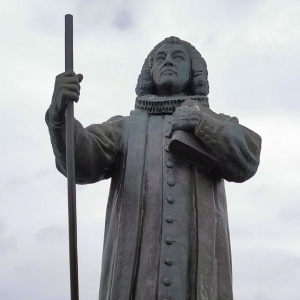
(166, 230)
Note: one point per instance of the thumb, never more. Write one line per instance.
(80, 77)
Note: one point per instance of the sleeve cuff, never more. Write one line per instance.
(205, 130)
(53, 123)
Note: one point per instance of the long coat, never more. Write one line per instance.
(166, 229)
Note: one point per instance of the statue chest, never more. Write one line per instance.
(168, 226)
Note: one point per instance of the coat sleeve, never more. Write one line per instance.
(235, 148)
(96, 148)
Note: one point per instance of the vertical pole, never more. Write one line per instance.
(69, 115)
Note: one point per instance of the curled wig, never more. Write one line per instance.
(198, 83)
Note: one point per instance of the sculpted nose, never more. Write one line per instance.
(168, 62)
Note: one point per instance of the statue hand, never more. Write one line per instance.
(66, 90)
(185, 118)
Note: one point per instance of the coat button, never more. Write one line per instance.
(201, 132)
(167, 281)
(167, 148)
(169, 241)
(207, 138)
(169, 219)
(170, 164)
(171, 181)
(170, 199)
(168, 262)
(168, 134)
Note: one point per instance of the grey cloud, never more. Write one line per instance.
(290, 213)
(240, 233)
(263, 81)
(52, 233)
(7, 244)
(4, 294)
(238, 10)
(23, 268)
(15, 182)
(209, 40)
(43, 173)
(265, 271)
(261, 296)
(123, 19)
(2, 228)
(88, 15)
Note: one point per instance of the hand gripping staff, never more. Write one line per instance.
(69, 116)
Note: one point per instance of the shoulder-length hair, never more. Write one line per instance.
(198, 83)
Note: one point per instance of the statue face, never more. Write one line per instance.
(171, 69)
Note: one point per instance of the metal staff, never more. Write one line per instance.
(69, 115)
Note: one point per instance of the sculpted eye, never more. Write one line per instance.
(160, 58)
(179, 57)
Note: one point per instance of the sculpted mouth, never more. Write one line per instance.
(168, 72)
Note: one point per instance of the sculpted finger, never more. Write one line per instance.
(64, 81)
(73, 87)
(80, 77)
(179, 110)
(66, 74)
(69, 96)
(174, 126)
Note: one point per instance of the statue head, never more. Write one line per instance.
(173, 67)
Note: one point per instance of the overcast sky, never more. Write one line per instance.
(252, 49)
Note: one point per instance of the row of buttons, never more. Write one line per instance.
(169, 219)
(207, 137)
(177, 187)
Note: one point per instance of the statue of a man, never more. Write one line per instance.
(166, 229)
